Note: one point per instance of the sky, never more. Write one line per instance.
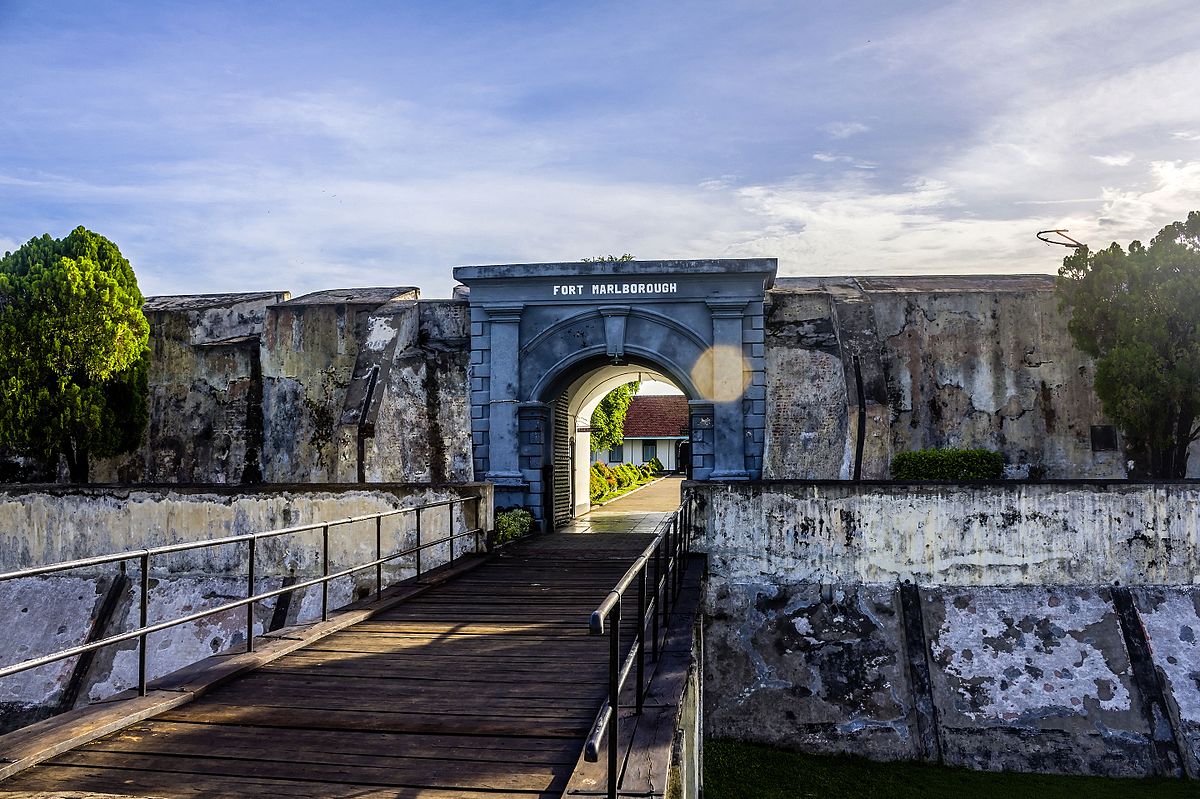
(301, 146)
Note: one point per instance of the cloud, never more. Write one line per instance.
(831, 158)
(844, 130)
(1186, 135)
(1123, 159)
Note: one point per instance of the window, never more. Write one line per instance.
(649, 450)
(616, 454)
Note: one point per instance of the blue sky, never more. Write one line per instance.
(299, 146)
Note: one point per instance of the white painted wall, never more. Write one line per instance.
(961, 535)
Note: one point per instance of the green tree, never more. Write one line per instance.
(608, 259)
(73, 351)
(1137, 312)
(608, 420)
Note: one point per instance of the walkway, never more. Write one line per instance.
(639, 511)
(484, 686)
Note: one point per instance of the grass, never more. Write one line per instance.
(735, 770)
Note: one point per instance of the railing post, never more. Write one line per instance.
(478, 525)
(250, 593)
(325, 572)
(614, 696)
(657, 601)
(640, 641)
(450, 523)
(144, 618)
(418, 543)
(378, 555)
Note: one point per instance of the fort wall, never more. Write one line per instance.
(1021, 626)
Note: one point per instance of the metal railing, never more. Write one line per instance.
(667, 557)
(251, 540)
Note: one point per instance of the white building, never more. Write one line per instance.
(655, 426)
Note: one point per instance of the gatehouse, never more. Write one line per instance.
(549, 341)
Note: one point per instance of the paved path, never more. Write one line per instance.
(640, 511)
(484, 686)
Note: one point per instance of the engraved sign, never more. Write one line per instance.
(610, 289)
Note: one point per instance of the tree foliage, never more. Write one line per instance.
(608, 259)
(73, 351)
(1137, 312)
(608, 420)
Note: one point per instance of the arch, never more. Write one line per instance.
(561, 375)
(597, 313)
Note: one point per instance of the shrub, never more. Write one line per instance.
(656, 465)
(512, 524)
(948, 464)
(597, 486)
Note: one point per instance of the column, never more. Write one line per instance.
(504, 392)
(728, 377)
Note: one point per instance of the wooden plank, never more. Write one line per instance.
(380, 721)
(39, 742)
(227, 741)
(110, 783)
(441, 774)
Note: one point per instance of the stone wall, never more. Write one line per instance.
(1035, 627)
(942, 362)
(361, 385)
(54, 612)
(205, 398)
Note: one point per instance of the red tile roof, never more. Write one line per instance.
(656, 416)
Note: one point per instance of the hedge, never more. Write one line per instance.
(512, 524)
(948, 464)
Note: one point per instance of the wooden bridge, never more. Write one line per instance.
(480, 681)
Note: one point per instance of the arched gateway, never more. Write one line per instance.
(549, 340)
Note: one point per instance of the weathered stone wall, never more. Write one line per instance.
(419, 421)
(942, 362)
(987, 626)
(205, 398)
(53, 612)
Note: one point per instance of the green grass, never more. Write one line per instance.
(735, 770)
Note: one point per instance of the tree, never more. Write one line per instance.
(608, 259)
(73, 351)
(608, 420)
(1138, 314)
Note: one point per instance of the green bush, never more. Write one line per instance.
(656, 465)
(597, 486)
(512, 524)
(948, 464)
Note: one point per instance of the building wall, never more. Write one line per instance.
(633, 451)
(1032, 627)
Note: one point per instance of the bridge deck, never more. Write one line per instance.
(482, 686)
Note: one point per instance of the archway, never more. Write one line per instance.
(544, 332)
(570, 452)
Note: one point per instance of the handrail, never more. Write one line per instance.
(144, 555)
(668, 552)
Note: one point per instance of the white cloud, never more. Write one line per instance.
(1186, 135)
(832, 158)
(1122, 159)
(844, 130)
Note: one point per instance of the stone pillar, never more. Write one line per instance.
(533, 420)
(504, 343)
(729, 381)
(700, 430)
